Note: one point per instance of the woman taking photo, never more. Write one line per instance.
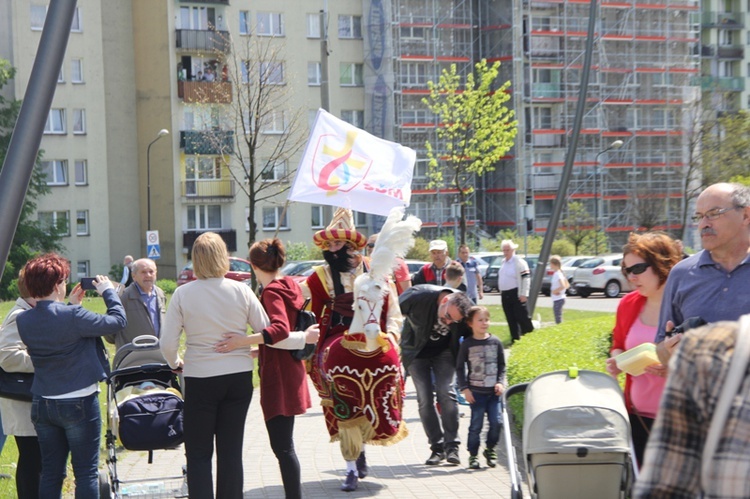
(218, 385)
(647, 260)
(65, 345)
(283, 379)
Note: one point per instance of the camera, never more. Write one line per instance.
(87, 283)
(690, 323)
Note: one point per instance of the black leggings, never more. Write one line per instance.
(280, 430)
(28, 468)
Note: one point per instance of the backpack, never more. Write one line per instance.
(305, 319)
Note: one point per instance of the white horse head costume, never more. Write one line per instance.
(395, 239)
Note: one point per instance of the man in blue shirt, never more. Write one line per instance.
(145, 304)
(474, 288)
(713, 284)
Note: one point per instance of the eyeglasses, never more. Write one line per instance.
(448, 318)
(713, 214)
(637, 269)
(371, 245)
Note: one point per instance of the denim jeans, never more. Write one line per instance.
(557, 307)
(484, 404)
(68, 426)
(443, 368)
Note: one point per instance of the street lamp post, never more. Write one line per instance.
(597, 225)
(161, 134)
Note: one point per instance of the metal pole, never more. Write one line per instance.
(162, 133)
(324, 97)
(27, 134)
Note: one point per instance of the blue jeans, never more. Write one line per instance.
(68, 426)
(443, 368)
(484, 404)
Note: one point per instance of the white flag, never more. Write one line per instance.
(347, 167)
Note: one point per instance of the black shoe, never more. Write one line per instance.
(435, 458)
(452, 456)
(362, 469)
(351, 482)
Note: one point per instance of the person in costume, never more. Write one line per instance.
(330, 289)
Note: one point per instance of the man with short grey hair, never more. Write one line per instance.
(513, 281)
(145, 304)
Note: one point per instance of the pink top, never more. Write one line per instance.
(646, 389)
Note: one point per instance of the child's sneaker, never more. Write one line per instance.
(474, 463)
(491, 457)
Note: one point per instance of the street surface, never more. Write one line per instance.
(594, 303)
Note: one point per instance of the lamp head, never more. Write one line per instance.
(616, 144)
(164, 132)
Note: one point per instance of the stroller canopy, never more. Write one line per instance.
(564, 414)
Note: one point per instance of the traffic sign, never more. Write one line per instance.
(152, 237)
(153, 251)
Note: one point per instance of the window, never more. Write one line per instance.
(421, 166)
(413, 116)
(272, 73)
(82, 174)
(354, 117)
(351, 74)
(275, 123)
(38, 14)
(273, 171)
(82, 222)
(56, 221)
(82, 268)
(79, 121)
(350, 26)
(316, 217)
(244, 22)
(61, 76)
(197, 18)
(55, 121)
(270, 24)
(541, 118)
(414, 74)
(75, 25)
(204, 216)
(55, 171)
(76, 71)
(272, 218)
(313, 25)
(313, 74)
(198, 168)
(360, 219)
(414, 32)
(726, 37)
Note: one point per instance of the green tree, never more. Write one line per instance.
(476, 129)
(30, 237)
(576, 227)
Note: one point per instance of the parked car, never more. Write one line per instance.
(414, 266)
(239, 270)
(490, 278)
(294, 268)
(484, 259)
(569, 266)
(601, 274)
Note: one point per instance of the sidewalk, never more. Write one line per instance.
(395, 471)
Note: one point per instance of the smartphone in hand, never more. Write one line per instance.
(87, 283)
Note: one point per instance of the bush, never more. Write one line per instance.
(301, 252)
(167, 285)
(584, 343)
(420, 250)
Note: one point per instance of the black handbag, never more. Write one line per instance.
(16, 386)
(305, 319)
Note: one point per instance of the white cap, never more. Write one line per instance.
(438, 244)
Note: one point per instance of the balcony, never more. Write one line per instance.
(203, 40)
(723, 20)
(730, 52)
(205, 92)
(720, 83)
(207, 142)
(228, 235)
(545, 91)
(210, 2)
(208, 188)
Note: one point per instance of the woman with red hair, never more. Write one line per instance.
(65, 345)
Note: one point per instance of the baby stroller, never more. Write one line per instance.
(144, 412)
(576, 437)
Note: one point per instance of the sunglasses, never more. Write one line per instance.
(370, 245)
(637, 269)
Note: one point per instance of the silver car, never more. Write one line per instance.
(601, 274)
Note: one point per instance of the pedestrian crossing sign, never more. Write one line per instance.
(152, 250)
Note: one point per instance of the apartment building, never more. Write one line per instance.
(134, 68)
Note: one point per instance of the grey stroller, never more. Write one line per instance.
(144, 413)
(576, 437)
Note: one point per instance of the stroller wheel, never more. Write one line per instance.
(105, 491)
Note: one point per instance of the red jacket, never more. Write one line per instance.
(283, 380)
(627, 312)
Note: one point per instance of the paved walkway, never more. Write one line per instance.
(395, 471)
